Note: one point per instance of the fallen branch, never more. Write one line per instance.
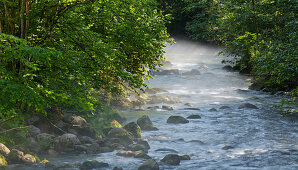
(14, 129)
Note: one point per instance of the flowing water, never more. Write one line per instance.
(258, 138)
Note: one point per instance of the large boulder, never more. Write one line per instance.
(171, 159)
(144, 143)
(125, 138)
(15, 156)
(33, 145)
(134, 129)
(145, 123)
(247, 106)
(177, 120)
(87, 165)
(66, 142)
(45, 140)
(150, 164)
(33, 131)
(4, 150)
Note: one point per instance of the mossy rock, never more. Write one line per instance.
(3, 162)
(145, 123)
(124, 136)
(150, 164)
(115, 124)
(134, 129)
(184, 157)
(171, 159)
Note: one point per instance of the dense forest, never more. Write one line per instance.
(74, 54)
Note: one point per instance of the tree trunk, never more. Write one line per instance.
(7, 14)
(22, 23)
(27, 20)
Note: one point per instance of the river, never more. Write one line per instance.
(228, 138)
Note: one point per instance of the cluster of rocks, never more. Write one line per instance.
(14, 156)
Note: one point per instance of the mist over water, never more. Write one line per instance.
(255, 138)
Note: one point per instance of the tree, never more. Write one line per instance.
(58, 53)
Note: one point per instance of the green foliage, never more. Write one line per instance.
(66, 54)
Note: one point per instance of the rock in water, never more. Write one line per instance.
(247, 106)
(224, 107)
(194, 117)
(192, 72)
(87, 165)
(126, 153)
(167, 108)
(145, 123)
(177, 120)
(227, 147)
(142, 155)
(213, 110)
(184, 157)
(134, 129)
(67, 142)
(150, 164)
(171, 159)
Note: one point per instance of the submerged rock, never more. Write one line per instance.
(145, 123)
(194, 117)
(171, 159)
(188, 104)
(192, 72)
(190, 108)
(224, 107)
(177, 120)
(227, 147)
(117, 168)
(247, 106)
(87, 165)
(150, 164)
(166, 150)
(212, 110)
(134, 129)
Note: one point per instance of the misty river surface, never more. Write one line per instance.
(259, 138)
